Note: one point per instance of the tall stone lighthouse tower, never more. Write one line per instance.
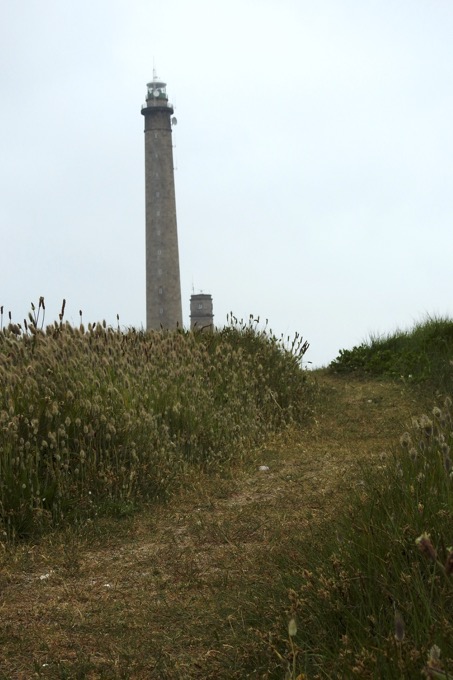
(163, 286)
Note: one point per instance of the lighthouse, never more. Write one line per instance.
(163, 285)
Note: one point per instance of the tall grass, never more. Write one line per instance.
(420, 354)
(376, 598)
(96, 420)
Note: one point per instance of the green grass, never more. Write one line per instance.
(375, 599)
(419, 355)
(376, 596)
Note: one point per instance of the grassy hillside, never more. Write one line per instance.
(421, 354)
(313, 548)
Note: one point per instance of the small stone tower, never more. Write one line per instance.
(163, 286)
(201, 314)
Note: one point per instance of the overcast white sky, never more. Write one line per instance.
(314, 155)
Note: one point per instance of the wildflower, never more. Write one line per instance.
(437, 413)
(426, 547)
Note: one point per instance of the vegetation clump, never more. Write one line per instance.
(421, 354)
(96, 420)
(376, 597)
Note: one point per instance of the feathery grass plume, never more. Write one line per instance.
(292, 632)
(61, 314)
(434, 669)
(124, 413)
(399, 626)
(426, 547)
(413, 454)
(405, 440)
(426, 425)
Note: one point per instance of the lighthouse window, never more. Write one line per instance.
(161, 290)
(200, 305)
(161, 311)
(157, 194)
(159, 272)
(159, 252)
(156, 174)
(158, 213)
(155, 135)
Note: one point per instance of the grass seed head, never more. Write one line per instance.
(399, 626)
(405, 440)
(425, 546)
(292, 628)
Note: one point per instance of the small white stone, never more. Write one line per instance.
(263, 468)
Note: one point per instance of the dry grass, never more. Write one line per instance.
(189, 589)
(97, 421)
